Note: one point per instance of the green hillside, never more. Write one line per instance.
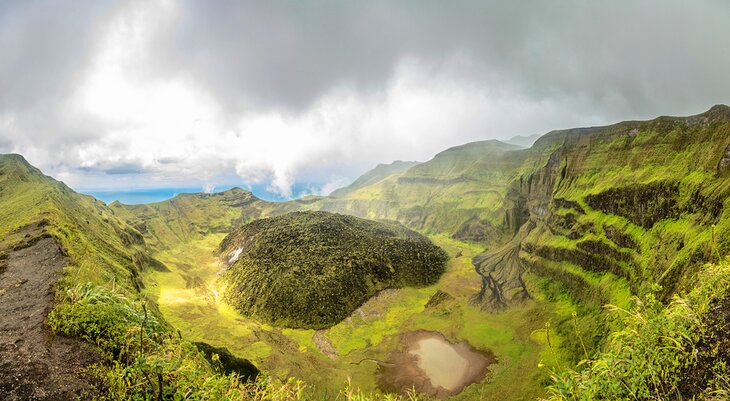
(462, 191)
(373, 176)
(103, 248)
(193, 216)
(312, 269)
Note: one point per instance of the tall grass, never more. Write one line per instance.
(656, 349)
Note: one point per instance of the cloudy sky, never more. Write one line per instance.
(302, 96)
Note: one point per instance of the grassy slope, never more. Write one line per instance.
(193, 216)
(462, 191)
(103, 248)
(680, 351)
(380, 172)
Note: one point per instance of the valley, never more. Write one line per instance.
(540, 240)
(523, 262)
(369, 335)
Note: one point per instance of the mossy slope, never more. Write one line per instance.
(193, 216)
(680, 351)
(462, 191)
(102, 247)
(312, 269)
(380, 172)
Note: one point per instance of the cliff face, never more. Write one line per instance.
(635, 200)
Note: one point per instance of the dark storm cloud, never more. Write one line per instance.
(115, 168)
(625, 55)
(643, 57)
(44, 48)
(424, 75)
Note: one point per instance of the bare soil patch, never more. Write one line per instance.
(34, 364)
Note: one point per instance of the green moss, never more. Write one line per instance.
(312, 269)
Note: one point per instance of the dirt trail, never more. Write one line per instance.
(34, 365)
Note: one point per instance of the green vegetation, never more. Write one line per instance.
(596, 216)
(146, 361)
(379, 173)
(189, 217)
(680, 351)
(312, 269)
(103, 249)
(462, 192)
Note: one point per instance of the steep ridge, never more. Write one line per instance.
(635, 199)
(101, 246)
(190, 216)
(380, 172)
(462, 191)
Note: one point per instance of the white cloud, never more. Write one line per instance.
(420, 112)
(208, 188)
(145, 109)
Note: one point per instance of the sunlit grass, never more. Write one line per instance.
(202, 317)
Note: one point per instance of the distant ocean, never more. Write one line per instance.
(138, 196)
(152, 195)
